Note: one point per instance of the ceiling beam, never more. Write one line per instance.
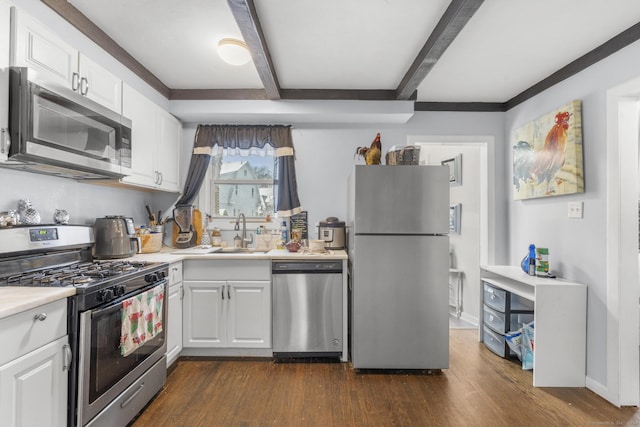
(244, 12)
(454, 19)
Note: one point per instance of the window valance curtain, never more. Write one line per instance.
(245, 137)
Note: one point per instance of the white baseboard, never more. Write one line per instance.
(471, 319)
(601, 390)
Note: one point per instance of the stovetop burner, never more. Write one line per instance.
(82, 274)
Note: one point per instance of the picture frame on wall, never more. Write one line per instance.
(455, 170)
(547, 154)
(455, 218)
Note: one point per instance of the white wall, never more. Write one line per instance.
(576, 245)
(325, 157)
(85, 202)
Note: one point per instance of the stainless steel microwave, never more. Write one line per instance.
(64, 134)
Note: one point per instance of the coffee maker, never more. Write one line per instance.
(183, 217)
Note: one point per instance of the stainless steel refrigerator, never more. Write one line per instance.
(398, 224)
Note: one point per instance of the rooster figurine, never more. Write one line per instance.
(551, 158)
(372, 154)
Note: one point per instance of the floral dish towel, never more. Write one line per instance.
(141, 319)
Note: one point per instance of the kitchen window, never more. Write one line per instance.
(242, 184)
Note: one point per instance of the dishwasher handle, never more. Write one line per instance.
(297, 267)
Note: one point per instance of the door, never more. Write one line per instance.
(36, 47)
(249, 314)
(400, 200)
(400, 310)
(100, 85)
(142, 113)
(168, 153)
(204, 314)
(34, 388)
(174, 322)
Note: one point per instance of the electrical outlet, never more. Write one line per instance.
(575, 210)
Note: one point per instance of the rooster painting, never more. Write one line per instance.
(551, 158)
(552, 166)
(373, 153)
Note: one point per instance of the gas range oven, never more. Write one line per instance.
(113, 375)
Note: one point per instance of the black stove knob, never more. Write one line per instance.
(120, 290)
(161, 274)
(151, 278)
(105, 295)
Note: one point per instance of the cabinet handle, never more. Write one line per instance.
(74, 81)
(222, 291)
(41, 317)
(84, 86)
(5, 141)
(160, 178)
(68, 357)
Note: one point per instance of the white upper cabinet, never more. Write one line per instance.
(57, 63)
(5, 43)
(168, 153)
(99, 84)
(155, 141)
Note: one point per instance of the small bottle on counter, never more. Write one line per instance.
(532, 260)
(285, 233)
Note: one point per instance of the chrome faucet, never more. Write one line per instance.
(244, 242)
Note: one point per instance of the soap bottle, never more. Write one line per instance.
(532, 260)
(285, 233)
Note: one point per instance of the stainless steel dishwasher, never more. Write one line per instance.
(307, 308)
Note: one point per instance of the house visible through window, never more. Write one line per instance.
(242, 184)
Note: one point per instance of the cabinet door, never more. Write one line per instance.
(174, 323)
(36, 47)
(34, 387)
(175, 273)
(142, 112)
(5, 40)
(204, 314)
(100, 85)
(249, 318)
(168, 151)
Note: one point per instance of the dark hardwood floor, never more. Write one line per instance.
(479, 389)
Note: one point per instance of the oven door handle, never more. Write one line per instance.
(117, 304)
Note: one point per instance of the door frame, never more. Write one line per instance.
(623, 284)
(487, 219)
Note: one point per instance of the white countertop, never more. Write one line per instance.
(15, 299)
(172, 255)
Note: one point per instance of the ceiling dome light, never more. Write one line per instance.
(233, 51)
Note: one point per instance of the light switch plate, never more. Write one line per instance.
(575, 210)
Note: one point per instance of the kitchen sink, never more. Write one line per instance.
(239, 251)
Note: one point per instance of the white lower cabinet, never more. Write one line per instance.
(223, 310)
(174, 312)
(34, 372)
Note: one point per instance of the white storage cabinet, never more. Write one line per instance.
(57, 63)
(174, 312)
(34, 369)
(559, 315)
(156, 134)
(227, 304)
